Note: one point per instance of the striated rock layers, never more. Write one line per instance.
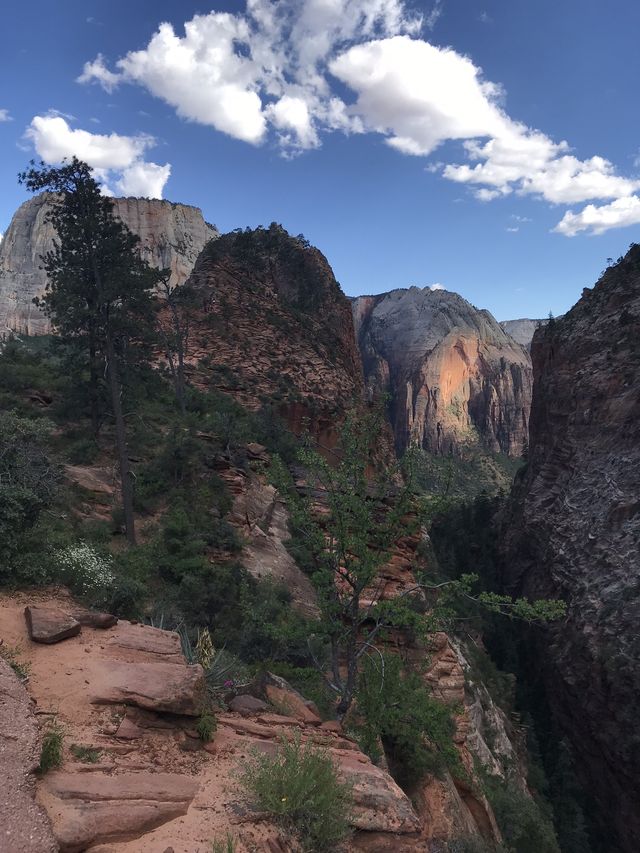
(454, 375)
(273, 325)
(172, 236)
(574, 531)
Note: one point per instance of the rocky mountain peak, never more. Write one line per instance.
(453, 373)
(171, 236)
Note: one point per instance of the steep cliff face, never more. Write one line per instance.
(172, 236)
(454, 374)
(274, 325)
(522, 330)
(573, 531)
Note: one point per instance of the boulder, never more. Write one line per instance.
(165, 645)
(93, 808)
(50, 625)
(166, 687)
(247, 706)
(95, 619)
(286, 699)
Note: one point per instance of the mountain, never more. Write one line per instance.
(573, 531)
(522, 330)
(171, 236)
(274, 326)
(454, 375)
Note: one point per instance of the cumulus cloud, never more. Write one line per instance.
(437, 286)
(596, 219)
(4, 115)
(112, 156)
(272, 73)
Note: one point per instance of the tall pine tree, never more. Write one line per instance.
(98, 294)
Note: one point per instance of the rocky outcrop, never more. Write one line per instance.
(171, 236)
(454, 376)
(522, 330)
(50, 625)
(573, 531)
(274, 325)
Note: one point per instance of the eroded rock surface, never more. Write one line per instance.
(453, 373)
(573, 531)
(171, 236)
(24, 826)
(169, 687)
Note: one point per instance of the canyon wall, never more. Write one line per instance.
(171, 236)
(453, 374)
(573, 531)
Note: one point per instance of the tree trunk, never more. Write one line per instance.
(126, 482)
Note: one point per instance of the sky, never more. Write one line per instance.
(491, 147)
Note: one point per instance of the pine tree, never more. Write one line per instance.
(98, 292)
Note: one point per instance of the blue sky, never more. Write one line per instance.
(412, 143)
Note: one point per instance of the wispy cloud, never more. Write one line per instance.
(4, 115)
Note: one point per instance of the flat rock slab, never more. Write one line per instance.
(92, 808)
(24, 827)
(164, 645)
(50, 625)
(170, 688)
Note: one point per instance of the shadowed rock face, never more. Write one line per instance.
(574, 531)
(453, 373)
(171, 236)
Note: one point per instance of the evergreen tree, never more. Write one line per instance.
(98, 293)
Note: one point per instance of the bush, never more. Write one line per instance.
(51, 750)
(206, 726)
(524, 824)
(416, 730)
(300, 789)
(85, 571)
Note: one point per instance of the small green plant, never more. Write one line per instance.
(51, 750)
(87, 754)
(206, 726)
(11, 654)
(224, 845)
(300, 789)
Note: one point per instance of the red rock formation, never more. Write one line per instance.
(574, 531)
(454, 375)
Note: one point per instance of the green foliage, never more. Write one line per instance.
(51, 749)
(300, 789)
(28, 481)
(11, 654)
(472, 472)
(206, 726)
(225, 845)
(525, 824)
(86, 754)
(397, 709)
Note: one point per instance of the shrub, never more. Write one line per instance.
(523, 822)
(300, 789)
(415, 729)
(51, 750)
(206, 726)
(86, 754)
(84, 570)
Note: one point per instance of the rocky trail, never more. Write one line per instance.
(126, 692)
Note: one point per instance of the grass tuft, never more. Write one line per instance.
(51, 750)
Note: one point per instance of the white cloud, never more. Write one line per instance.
(4, 115)
(112, 156)
(514, 229)
(596, 219)
(271, 72)
(437, 286)
(1, 237)
(97, 70)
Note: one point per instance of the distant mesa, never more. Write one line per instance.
(171, 236)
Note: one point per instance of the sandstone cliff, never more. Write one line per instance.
(273, 325)
(453, 373)
(172, 236)
(573, 531)
(522, 330)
